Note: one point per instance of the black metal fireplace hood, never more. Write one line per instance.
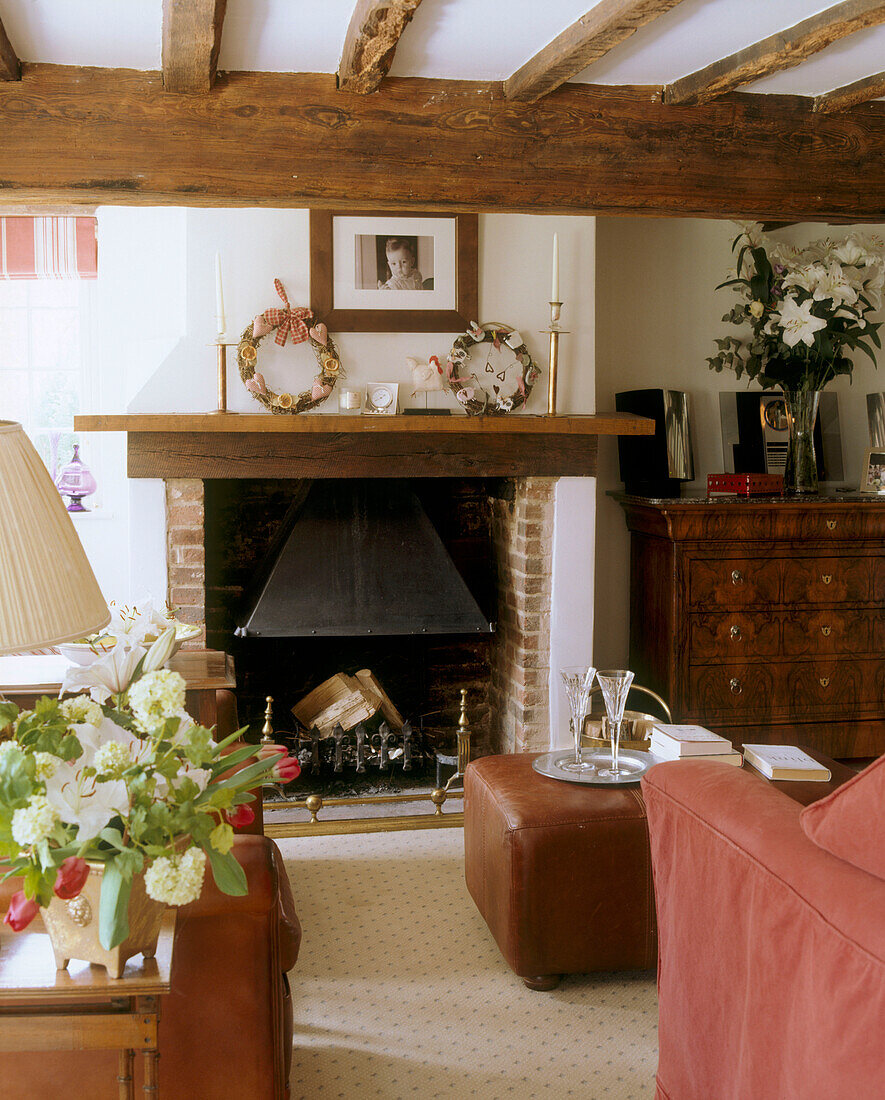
(358, 557)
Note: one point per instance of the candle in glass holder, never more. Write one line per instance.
(350, 401)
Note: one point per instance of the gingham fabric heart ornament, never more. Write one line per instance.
(256, 383)
(320, 333)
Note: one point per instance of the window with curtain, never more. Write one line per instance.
(48, 268)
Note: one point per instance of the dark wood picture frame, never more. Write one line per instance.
(394, 320)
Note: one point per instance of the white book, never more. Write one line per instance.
(677, 741)
(721, 757)
(785, 762)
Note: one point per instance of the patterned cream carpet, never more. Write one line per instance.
(401, 992)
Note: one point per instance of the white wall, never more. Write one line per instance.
(658, 315)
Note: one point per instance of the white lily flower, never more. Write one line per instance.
(832, 284)
(806, 276)
(138, 621)
(200, 776)
(850, 251)
(161, 650)
(797, 323)
(80, 800)
(93, 737)
(108, 675)
(752, 232)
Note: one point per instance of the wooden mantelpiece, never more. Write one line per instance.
(234, 446)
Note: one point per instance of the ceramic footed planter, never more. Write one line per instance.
(73, 926)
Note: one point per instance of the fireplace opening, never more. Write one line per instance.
(290, 592)
(499, 535)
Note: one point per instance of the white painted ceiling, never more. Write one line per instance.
(457, 39)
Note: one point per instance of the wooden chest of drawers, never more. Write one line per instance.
(763, 620)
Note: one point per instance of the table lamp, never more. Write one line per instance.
(48, 592)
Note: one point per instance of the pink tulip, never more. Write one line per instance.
(286, 769)
(21, 911)
(241, 816)
(71, 878)
(265, 752)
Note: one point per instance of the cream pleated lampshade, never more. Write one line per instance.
(48, 592)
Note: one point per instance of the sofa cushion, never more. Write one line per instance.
(850, 823)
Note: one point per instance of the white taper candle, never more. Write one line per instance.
(220, 325)
(554, 289)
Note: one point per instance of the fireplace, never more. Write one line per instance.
(538, 504)
(499, 535)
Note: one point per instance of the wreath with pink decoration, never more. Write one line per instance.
(482, 388)
(288, 323)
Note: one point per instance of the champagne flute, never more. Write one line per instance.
(615, 687)
(578, 680)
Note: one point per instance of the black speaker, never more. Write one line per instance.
(656, 465)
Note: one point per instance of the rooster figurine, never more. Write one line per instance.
(426, 377)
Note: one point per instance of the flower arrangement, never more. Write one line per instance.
(120, 774)
(806, 308)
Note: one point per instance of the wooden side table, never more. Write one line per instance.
(81, 1008)
(208, 674)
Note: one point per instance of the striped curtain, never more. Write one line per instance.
(48, 248)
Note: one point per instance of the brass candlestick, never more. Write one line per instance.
(221, 346)
(554, 332)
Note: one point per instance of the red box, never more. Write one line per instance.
(745, 485)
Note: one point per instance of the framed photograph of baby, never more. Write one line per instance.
(380, 272)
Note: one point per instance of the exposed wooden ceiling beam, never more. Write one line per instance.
(10, 66)
(779, 51)
(584, 42)
(292, 140)
(372, 37)
(191, 41)
(861, 91)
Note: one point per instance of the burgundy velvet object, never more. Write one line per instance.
(850, 823)
(771, 973)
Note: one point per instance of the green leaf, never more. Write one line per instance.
(246, 777)
(17, 778)
(230, 878)
(113, 910)
(8, 713)
(233, 758)
(229, 740)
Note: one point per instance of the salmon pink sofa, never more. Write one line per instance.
(771, 924)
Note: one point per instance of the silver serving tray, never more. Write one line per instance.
(635, 761)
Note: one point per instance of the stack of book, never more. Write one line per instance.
(691, 742)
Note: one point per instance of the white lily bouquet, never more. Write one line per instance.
(120, 774)
(805, 307)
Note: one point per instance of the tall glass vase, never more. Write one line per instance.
(800, 473)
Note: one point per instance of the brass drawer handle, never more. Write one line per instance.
(735, 632)
(735, 685)
(831, 525)
(826, 577)
(826, 631)
(824, 681)
(737, 577)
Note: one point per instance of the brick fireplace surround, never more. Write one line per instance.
(515, 708)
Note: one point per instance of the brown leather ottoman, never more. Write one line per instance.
(561, 872)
